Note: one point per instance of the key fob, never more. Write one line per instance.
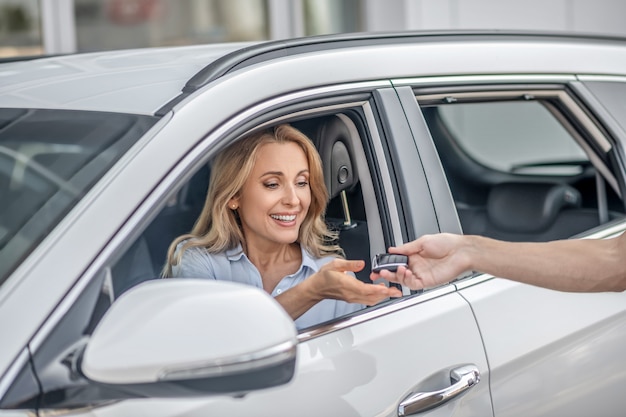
(389, 261)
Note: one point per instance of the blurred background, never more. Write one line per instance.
(34, 27)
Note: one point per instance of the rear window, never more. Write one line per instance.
(49, 159)
(516, 137)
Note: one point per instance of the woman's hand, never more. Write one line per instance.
(331, 281)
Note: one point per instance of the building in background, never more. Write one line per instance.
(33, 27)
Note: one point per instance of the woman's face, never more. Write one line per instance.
(276, 197)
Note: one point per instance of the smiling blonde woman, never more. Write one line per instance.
(263, 224)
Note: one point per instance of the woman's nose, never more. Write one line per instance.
(291, 196)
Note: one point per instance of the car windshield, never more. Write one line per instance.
(49, 159)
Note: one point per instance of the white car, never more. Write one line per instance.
(104, 160)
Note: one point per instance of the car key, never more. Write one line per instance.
(389, 261)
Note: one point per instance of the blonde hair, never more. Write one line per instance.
(217, 228)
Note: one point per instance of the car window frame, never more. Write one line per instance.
(569, 91)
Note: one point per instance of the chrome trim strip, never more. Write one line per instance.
(472, 280)
(274, 355)
(311, 112)
(389, 307)
(607, 231)
(9, 377)
(285, 99)
(483, 79)
(612, 78)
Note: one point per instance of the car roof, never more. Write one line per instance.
(154, 80)
(131, 81)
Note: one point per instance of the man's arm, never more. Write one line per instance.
(577, 265)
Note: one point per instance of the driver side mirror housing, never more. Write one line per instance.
(191, 337)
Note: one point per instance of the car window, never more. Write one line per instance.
(512, 136)
(346, 212)
(521, 168)
(49, 159)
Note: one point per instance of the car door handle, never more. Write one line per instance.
(461, 378)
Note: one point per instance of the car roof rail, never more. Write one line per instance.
(269, 50)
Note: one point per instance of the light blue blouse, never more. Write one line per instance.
(233, 265)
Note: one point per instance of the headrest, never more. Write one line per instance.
(529, 207)
(333, 142)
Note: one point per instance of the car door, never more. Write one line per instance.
(549, 353)
(394, 350)
(420, 353)
(376, 361)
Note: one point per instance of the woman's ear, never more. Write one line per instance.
(233, 203)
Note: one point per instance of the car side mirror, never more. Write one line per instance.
(190, 337)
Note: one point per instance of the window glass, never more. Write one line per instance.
(116, 24)
(20, 27)
(48, 160)
(508, 135)
(323, 17)
(516, 172)
(613, 97)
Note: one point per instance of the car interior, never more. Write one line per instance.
(522, 204)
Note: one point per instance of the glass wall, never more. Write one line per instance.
(120, 24)
(20, 28)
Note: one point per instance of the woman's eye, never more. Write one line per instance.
(271, 185)
(302, 183)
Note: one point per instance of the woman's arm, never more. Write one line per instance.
(332, 282)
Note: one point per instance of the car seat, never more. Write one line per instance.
(333, 141)
(529, 212)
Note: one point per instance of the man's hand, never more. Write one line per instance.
(433, 260)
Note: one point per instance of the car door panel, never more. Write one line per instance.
(363, 370)
(550, 352)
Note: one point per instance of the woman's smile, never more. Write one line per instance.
(286, 219)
